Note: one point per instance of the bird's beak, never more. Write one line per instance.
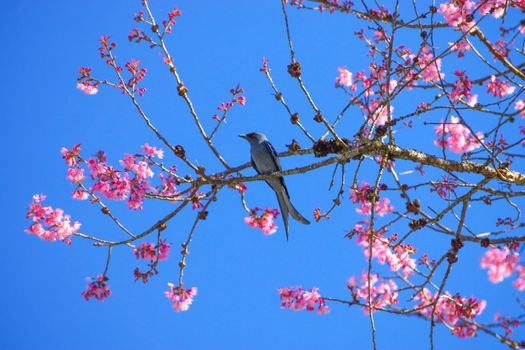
(244, 136)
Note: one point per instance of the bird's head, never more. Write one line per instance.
(254, 137)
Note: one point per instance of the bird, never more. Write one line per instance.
(265, 161)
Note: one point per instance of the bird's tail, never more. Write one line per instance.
(294, 213)
(283, 205)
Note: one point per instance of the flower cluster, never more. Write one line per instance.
(131, 183)
(50, 224)
(364, 194)
(382, 294)
(429, 65)
(520, 106)
(398, 258)
(297, 299)
(457, 137)
(377, 111)
(345, 79)
(171, 21)
(97, 288)
(265, 221)
(499, 88)
(446, 187)
(461, 90)
(461, 47)
(452, 310)
(180, 297)
(87, 88)
(86, 83)
(148, 251)
(501, 264)
(458, 14)
(225, 107)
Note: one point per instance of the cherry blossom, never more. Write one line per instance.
(265, 221)
(500, 263)
(499, 88)
(181, 298)
(495, 7)
(87, 89)
(457, 137)
(297, 299)
(452, 310)
(398, 258)
(458, 13)
(430, 66)
(50, 224)
(362, 195)
(519, 283)
(345, 79)
(520, 106)
(461, 47)
(97, 288)
(461, 91)
(382, 294)
(150, 151)
(148, 251)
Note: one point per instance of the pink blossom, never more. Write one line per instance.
(520, 106)
(181, 298)
(457, 137)
(265, 221)
(500, 263)
(456, 13)
(519, 283)
(430, 66)
(148, 251)
(152, 151)
(112, 184)
(361, 196)
(377, 112)
(461, 47)
(496, 7)
(446, 187)
(382, 294)
(79, 194)
(452, 310)
(97, 288)
(75, 174)
(169, 183)
(345, 79)
(87, 89)
(499, 88)
(297, 299)
(399, 258)
(241, 100)
(97, 167)
(366, 82)
(71, 156)
(461, 91)
(50, 224)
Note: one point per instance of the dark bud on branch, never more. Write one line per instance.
(294, 69)
(295, 118)
(180, 152)
(182, 89)
(324, 147)
(294, 146)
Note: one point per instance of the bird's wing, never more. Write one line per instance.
(274, 155)
(271, 164)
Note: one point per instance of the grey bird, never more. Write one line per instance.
(265, 161)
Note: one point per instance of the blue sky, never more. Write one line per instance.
(216, 45)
